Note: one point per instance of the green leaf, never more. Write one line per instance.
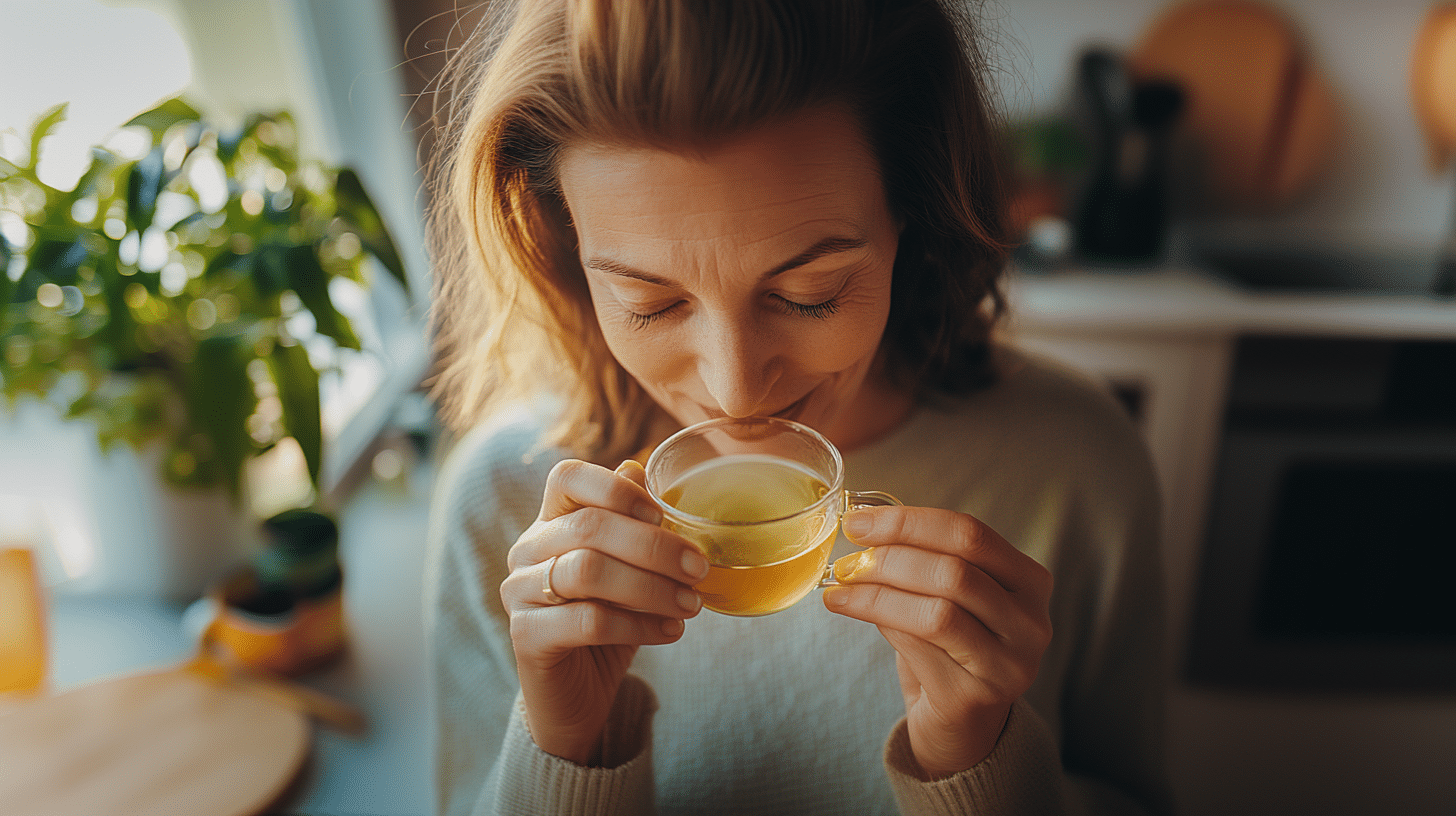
(58, 261)
(226, 261)
(359, 210)
(143, 185)
(298, 390)
(43, 127)
(165, 115)
(227, 143)
(270, 270)
(220, 399)
(307, 277)
(119, 333)
(6, 285)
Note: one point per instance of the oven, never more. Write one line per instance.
(1330, 546)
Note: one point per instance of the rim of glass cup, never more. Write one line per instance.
(800, 427)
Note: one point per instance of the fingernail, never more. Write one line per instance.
(689, 600)
(672, 627)
(857, 523)
(851, 566)
(694, 564)
(647, 513)
(835, 596)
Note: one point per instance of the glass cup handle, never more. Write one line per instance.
(859, 499)
(856, 500)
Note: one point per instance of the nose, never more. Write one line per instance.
(737, 367)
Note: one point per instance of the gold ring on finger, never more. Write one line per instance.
(546, 588)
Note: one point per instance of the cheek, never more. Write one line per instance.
(834, 349)
(850, 340)
(646, 354)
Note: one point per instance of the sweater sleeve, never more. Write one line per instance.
(488, 492)
(1021, 776)
(531, 781)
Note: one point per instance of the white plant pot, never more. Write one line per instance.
(116, 526)
(176, 540)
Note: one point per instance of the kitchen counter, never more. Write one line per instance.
(1188, 301)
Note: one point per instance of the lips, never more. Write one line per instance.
(790, 411)
(794, 408)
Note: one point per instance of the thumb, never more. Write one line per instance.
(633, 470)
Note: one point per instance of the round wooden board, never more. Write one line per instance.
(1263, 116)
(160, 744)
(1433, 82)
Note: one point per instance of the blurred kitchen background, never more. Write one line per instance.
(1234, 213)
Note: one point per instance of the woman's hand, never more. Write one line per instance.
(968, 617)
(621, 582)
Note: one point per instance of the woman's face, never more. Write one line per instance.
(752, 278)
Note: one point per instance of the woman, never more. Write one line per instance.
(656, 212)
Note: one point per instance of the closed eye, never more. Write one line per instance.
(642, 321)
(818, 311)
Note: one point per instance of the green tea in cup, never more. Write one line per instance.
(761, 497)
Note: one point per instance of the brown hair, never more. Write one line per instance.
(512, 314)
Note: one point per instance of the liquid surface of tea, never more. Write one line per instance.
(763, 557)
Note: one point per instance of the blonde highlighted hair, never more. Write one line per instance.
(512, 315)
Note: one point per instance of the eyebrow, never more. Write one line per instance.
(821, 248)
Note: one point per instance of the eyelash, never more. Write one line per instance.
(817, 311)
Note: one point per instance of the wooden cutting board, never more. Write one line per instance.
(1433, 83)
(171, 743)
(1262, 116)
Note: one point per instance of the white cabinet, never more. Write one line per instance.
(1174, 385)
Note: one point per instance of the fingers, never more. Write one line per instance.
(604, 551)
(590, 574)
(574, 484)
(952, 596)
(966, 613)
(925, 667)
(642, 545)
(586, 505)
(555, 629)
(609, 559)
(951, 533)
(633, 470)
(942, 641)
(936, 584)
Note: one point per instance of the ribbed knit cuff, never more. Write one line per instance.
(1023, 774)
(535, 782)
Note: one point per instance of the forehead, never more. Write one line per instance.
(812, 170)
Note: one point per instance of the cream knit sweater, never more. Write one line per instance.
(800, 712)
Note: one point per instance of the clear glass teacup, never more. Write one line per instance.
(762, 498)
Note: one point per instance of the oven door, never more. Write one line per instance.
(1328, 560)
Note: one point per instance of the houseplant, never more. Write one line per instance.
(172, 297)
